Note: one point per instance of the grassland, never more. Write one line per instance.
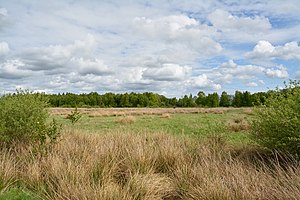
(150, 154)
(197, 122)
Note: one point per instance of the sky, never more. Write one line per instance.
(170, 47)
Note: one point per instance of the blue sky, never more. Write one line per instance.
(173, 47)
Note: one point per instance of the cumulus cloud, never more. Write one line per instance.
(226, 22)
(229, 71)
(137, 46)
(203, 82)
(77, 57)
(230, 64)
(167, 72)
(13, 69)
(179, 29)
(58, 56)
(89, 66)
(265, 50)
(4, 49)
(279, 72)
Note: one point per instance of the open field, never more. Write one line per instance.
(150, 154)
(230, 123)
(106, 112)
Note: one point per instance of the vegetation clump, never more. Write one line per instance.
(276, 125)
(23, 120)
(74, 116)
(165, 115)
(238, 124)
(127, 120)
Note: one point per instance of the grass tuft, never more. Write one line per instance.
(127, 120)
(238, 124)
(165, 115)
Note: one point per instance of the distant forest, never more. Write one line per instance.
(149, 99)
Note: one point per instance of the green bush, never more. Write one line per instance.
(23, 119)
(74, 116)
(276, 125)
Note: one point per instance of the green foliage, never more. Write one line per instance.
(17, 194)
(23, 119)
(224, 100)
(212, 100)
(149, 99)
(238, 99)
(74, 116)
(276, 125)
(201, 99)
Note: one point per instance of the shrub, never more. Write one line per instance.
(276, 125)
(74, 116)
(23, 119)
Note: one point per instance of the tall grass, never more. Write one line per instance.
(145, 166)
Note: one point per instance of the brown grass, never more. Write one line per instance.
(107, 112)
(165, 115)
(248, 111)
(126, 120)
(145, 166)
(238, 124)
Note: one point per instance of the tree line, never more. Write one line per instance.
(149, 99)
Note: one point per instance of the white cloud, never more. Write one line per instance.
(230, 64)
(3, 12)
(203, 82)
(248, 24)
(226, 22)
(13, 69)
(167, 72)
(78, 56)
(3, 15)
(179, 29)
(229, 71)
(252, 84)
(265, 50)
(88, 66)
(133, 42)
(279, 72)
(48, 58)
(4, 49)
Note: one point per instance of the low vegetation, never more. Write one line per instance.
(127, 120)
(238, 124)
(74, 116)
(123, 165)
(163, 154)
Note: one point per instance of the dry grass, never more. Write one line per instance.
(165, 115)
(144, 166)
(248, 111)
(126, 120)
(238, 124)
(106, 112)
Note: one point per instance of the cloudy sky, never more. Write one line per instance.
(171, 47)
